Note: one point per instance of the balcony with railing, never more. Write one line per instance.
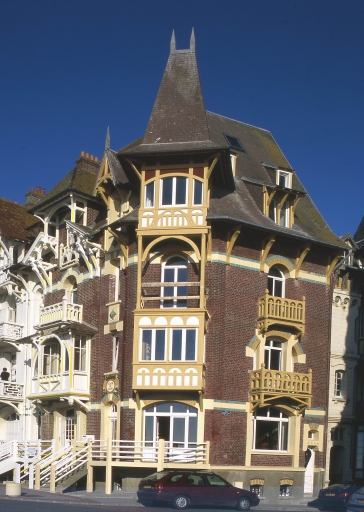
(62, 312)
(281, 311)
(273, 387)
(157, 294)
(181, 376)
(11, 390)
(9, 331)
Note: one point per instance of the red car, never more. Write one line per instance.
(184, 488)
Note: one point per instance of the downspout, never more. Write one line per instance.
(326, 433)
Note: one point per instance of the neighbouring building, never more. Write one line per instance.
(174, 306)
(345, 447)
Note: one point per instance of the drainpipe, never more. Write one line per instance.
(332, 283)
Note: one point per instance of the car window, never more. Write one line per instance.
(216, 481)
(360, 491)
(157, 476)
(195, 480)
(175, 478)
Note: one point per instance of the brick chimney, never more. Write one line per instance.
(34, 197)
(88, 162)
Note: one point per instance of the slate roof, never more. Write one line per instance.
(15, 221)
(79, 179)
(116, 169)
(180, 123)
(359, 233)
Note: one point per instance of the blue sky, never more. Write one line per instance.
(70, 69)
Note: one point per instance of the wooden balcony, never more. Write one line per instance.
(152, 296)
(62, 312)
(168, 376)
(289, 390)
(10, 331)
(281, 311)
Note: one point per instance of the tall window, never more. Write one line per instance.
(174, 191)
(270, 430)
(183, 345)
(276, 282)
(153, 345)
(51, 358)
(339, 384)
(197, 192)
(284, 220)
(273, 355)
(80, 353)
(174, 271)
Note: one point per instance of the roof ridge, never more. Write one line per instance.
(241, 122)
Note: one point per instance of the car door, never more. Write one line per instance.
(195, 487)
(219, 490)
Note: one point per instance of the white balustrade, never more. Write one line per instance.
(61, 312)
(11, 331)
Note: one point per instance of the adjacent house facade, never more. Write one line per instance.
(174, 305)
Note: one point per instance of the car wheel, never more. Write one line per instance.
(180, 502)
(243, 504)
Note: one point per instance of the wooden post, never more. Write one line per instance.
(37, 477)
(52, 483)
(108, 479)
(207, 457)
(90, 469)
(160, 463)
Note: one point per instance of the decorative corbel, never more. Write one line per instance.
(134, 169)
(331, 266)
(212, 166)
(280, 204)
(268, 198)
(299, 260)
(209, 244)
(122, 241)
(233, 234)
(266, 247)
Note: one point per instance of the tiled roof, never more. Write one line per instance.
(15, 220)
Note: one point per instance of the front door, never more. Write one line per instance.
(174, 422)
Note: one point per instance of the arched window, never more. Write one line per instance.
(270, 430)
(174, 271)
(276, 282)
(71, 289)
(273, 354)
(51, 357)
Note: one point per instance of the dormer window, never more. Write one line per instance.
(284, 179)
(234, 142)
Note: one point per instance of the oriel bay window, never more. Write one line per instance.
(182, 344)
(270, 429)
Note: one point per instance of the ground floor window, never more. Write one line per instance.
(285, 490)
(270, 430)
(256, 489)
(174, 422)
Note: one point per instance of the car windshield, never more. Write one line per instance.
(360, 491)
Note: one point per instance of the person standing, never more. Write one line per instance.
(5, 374)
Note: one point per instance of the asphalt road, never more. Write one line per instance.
(24, 505)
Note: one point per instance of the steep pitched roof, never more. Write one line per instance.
(359, 233)
(15, 220)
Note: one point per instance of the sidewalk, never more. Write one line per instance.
(125, 498)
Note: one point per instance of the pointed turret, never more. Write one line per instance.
(179, 113)
(192, 41)
(107, 140)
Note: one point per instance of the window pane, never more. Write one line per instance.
(178, 430)
(163, 407)
(197, 196)
(167, 191)
(177, 345)
(149, 428)
(181, 190)
(179, 407)
(83, 360)
(77, 359)
(266, 435)
(149, 195)
(278, 288)
(275, 360)
(159, 345)
(147, 345)
(192, 430)
(190, 345)
(284, 436)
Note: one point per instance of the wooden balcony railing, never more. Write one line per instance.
(61, 312)
(186, 291)
(174, 375)
(268, 387)
(282, 311)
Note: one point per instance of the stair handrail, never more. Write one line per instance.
(68, 465)
(43, 468)
(42, 456)
(7, 449)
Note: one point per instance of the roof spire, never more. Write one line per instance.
(107, 141)
(173, 43)
(192, 41)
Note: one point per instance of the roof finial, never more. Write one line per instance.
(173, 42)
(192, 41)
(107, 141)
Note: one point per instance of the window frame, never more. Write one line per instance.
(286, 175)
(80, 353)
(175, 302)
(146, 199)
(194, 181)
(152, 344)
(273, 279)
(339, 384)
(183, 345)
(174, 191)
(270, 349)
(283, 435)
(53, 356)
